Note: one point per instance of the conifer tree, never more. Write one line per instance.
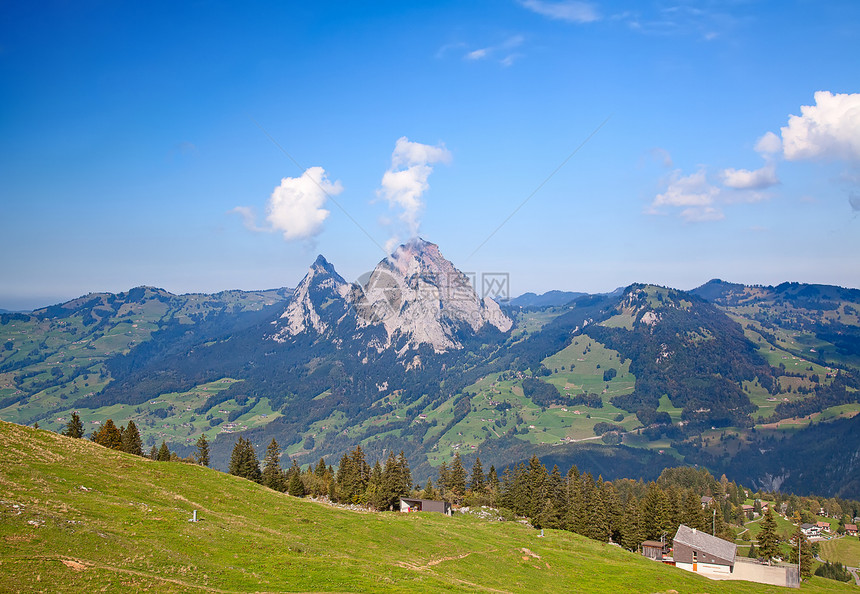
(243, 461)
(108, 436)
(74, 428)
(692, 514)
(131, 442)
(163, 453)
(597, 526)
(656, 514)
(273, 476)
(806, 557)
(768, 540)
(153, 453)
(493, 487)
(296, 487)
(203, 450)
(573, 496)
(752, 554)
(458, 477)
(376, 495)
(321, 469)
(478, 480)
(444, 478)
(536, 492)
(404, 476)
(632, 534)
(429, 492)
(614, 511)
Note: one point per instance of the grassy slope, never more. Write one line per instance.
(77, 517)
(846, 550)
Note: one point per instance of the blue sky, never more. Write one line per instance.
(203, 146)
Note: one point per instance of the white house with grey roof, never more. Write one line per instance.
(714, 558)
(700, 552)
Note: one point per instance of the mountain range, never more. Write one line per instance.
(737, 378)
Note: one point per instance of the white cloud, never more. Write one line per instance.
(744, 179)
(296, 206)
(405, 182)
(701, 214)
(690, 190)
(487, 52)
(830, 129)
(571, 11)
(770, 143)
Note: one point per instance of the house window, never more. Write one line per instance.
(695, 556)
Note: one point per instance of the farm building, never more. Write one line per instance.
(428, 505)
(654, 549)
(700, 552)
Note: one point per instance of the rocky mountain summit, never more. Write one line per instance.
(416, 295)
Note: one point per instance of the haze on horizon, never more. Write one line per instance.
(575, 145)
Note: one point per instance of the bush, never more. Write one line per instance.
(834, 571)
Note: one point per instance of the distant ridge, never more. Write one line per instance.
(548, 299)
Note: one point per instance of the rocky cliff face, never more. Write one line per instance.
(421, 298)
(415, 294)
(318, 305)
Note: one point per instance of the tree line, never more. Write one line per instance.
(127, 439)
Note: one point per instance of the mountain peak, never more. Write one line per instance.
(420, 297)
(321, 284)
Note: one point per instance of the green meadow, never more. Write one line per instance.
(79, 518)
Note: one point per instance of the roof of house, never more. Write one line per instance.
(706, 499)
(746, 506)
(851, 526)
(704, 542)
(823, 524)
(807, 526)
(652, 543)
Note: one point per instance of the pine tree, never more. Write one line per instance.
(806, 557)
(74, 428)
(752, 554)
(296, 487)
(153, 453)
(656, 513)
(203, 450)
(429, 492)
(243, 461)
(573, 497)
(692, 514)
(376, 495)
(768, 540)
(131, 442)
(163, 453)
(273, 476)
(444, 481)
(458, 478)
(478, 480)
(614, 511)
(108, 436)
(536, 491)
(404, 476)
(632, 534)
(493, 486)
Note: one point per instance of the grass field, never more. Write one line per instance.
(846, 550)
(80, 518)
